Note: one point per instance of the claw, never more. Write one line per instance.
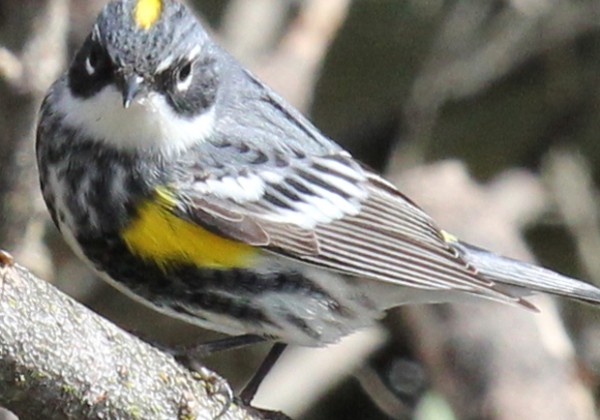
(216, 386)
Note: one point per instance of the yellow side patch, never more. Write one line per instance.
(147, 13)
(156, 234)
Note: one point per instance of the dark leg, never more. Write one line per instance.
(188, 356)
(211, 347)
(251, 387)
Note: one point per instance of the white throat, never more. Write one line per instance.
(149, 123)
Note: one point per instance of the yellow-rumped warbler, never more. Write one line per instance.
(185, 181)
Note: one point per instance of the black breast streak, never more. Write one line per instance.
(181, 287)
(249, 285)
(95, 201)
(191, 290)
(302, 325)
(96, 204)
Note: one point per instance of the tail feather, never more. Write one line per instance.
(524, 276)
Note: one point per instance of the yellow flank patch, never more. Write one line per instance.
(156, 234)
(147, 13)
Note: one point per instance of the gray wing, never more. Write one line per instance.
(330, 212)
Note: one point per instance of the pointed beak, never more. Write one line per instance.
(132, 86)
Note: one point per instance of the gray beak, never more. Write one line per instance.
(132, 86)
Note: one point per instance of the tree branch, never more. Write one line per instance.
(58, 359)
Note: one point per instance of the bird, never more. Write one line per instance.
(190, 185)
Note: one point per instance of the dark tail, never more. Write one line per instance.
(524, 276)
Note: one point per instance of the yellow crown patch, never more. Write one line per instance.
(147, 12)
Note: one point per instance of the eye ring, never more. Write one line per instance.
(184, 76)
(90, 65)
(94, 60)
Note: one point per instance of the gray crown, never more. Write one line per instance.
(175, 32)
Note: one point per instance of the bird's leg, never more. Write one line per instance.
(211, 347)
(251, 387)
(189, 355)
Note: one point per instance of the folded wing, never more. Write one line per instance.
(330, 212)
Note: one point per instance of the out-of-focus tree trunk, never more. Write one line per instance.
(32, 54)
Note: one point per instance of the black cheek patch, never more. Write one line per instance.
(82, 84)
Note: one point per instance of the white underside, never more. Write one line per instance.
(149, 122)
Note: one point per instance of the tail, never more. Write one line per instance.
(525, 277)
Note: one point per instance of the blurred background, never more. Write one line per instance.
(484, 112)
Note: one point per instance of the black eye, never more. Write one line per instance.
(184, 72)
(184, 76)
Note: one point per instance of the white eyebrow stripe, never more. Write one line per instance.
(96, 33)
(165, 64)
(194, 53)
